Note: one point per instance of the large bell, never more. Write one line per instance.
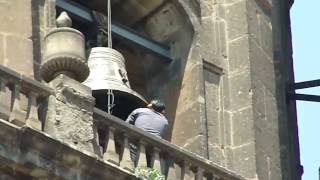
(109, 82)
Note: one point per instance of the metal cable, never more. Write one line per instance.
(110, 91)
(109, 25)
(110, 101)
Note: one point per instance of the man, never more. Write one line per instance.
(150, 119)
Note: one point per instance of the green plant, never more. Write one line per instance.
(146, 173)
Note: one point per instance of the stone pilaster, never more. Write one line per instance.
(231, 100)
(70, 110)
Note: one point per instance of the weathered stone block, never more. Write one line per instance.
(259, 114)
(227, 119)
(272, 113)
(242, 126)
(15, 18)
(216, 154)
(1, 49)
(19, 52)
(70, 114)
(275, 173)
(168, 20)
(210, 7)
(258, 91)
(244, 160)
(213, 38)
(225, 83)
(262, 67)
(197, 145)
(254, 14)
(213, 106)
(189, 118)
(269, 143)
(240, 91)
(140, 10)
(266, 5)
(190, 138)
(239, 55)
(266, 35)
(263, 165)
(236, 16)
(229, 157)
(191, 87)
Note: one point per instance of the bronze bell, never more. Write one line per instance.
(109, 83)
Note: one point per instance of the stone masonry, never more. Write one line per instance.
(225, 89)
(69, 116)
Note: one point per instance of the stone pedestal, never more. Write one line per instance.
(70, 110)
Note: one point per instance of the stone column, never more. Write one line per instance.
(70, 110)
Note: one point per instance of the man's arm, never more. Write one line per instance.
(164, 134)
(132, 117)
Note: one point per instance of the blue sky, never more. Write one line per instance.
(306, 38)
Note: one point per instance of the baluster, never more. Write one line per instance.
(208, 176)
(126, 161)
(187, 173)
(142, 161)
(110, 154)
(32, 117)
(4, 101)
(157, 161)
(215, 177)
(199, 175)
(98, 150)
(174, 170)
(16, 115)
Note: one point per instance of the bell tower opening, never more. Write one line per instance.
(154, 38)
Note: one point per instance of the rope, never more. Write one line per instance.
(109, 25)
(110, 91)
(110, 101)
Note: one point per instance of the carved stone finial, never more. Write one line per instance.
(64, 20)
(64, 54)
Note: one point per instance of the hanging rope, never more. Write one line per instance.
(110, 91)
(110, 101)
(109, 25)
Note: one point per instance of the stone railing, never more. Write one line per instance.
(20, 98)
(116, 137)
(23, 101)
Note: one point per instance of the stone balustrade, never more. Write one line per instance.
(116, 137)
(21, 101)
(21, 98)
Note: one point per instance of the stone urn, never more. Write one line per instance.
(64, 52)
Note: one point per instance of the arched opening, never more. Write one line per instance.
(163, 21)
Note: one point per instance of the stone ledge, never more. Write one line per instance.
(37, 154)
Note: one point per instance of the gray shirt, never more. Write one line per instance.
(149, 120)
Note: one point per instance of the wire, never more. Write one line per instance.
(110, 101)
(109, 25)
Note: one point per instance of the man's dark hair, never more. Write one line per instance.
(158, 105)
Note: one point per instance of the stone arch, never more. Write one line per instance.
(166, 21)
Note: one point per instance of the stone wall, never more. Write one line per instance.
(24, 23)
(231, 105)
(225, 89)
(16, 46)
